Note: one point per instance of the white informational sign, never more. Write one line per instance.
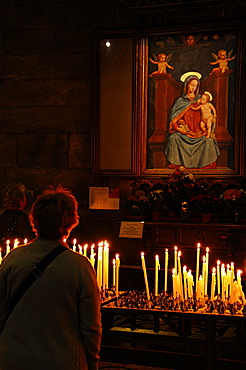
(104, 198)
(131, 229)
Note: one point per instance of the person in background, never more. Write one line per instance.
(14, 223)
(56, 324)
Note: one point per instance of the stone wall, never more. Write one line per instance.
(46, 102)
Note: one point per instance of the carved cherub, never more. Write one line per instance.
(190, 40)
(162, 60)
(222, 59)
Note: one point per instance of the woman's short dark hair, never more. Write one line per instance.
(14, 196)
(54, 213)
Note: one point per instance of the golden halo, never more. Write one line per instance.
(187, 74)
(210, 95)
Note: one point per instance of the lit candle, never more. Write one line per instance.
(74, 245)
(223, 275)
(218, 277)
(204, 272)
(180, 276)
(1, 257)
(185, 282)
(166, 270)
(231, 282)
(175, 258)
(25, 241)
(145, 276)
(106, 263)
(157, 268)
(197, 263)
(16, 243)
(7, 246)
(213, 282)
(114, 267)
(80, 249)
(228, 280)
(174, 278)
(92, 255)
(207, 269)
(117, 272)
(85, 250)
(190, 284)
(99, 266)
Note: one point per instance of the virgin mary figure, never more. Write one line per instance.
(187, 144)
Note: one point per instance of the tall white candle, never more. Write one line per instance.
(7, 246)
(1, 257)
(166, 270)
(114, 267)
(99, 266)
(197, 263)
(117, 273)
(145, 275)
(174, 278)
(204, 273)
(218, 277)
(157, 268)
(190, 284)
(213, 282)
(180, 275)
(16, 243)
(176, 259)
(92, 255)
(106, 262)
(85, 250)
(74, 245)
(207, 269)
(185, 282)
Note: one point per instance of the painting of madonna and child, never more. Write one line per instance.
(191, 120)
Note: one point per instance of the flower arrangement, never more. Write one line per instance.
(178, 189)
(234, 200)
(136, 205)
(156, 200)
(220, 197)
(205, 203)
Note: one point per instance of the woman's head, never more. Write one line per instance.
(192, 85)
(14, 196)
(54, 214)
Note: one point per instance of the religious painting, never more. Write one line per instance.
(192, 96)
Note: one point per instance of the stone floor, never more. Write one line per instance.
(118, 366)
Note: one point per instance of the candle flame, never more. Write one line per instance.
(175, 248)
(179, 254)
(204, 259)
(218, 262)
(166, 250)
(142, 254)
(207, 249)
(198, 245)
(214, 270)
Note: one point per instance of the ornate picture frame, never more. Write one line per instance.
(214, 56)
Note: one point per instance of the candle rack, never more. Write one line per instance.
(195, 332)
